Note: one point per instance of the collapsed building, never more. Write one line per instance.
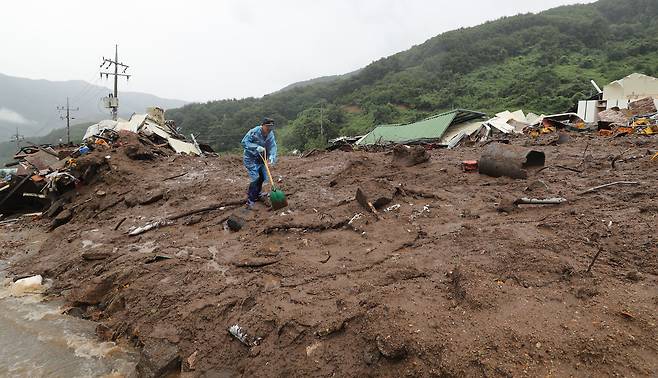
(619, 95)
(152, 125)
(625, 106)
(440, 129)
(41, 175)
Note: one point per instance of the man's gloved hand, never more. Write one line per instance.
(260, 149)
(271, 160)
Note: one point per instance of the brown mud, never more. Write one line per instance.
(455, 281)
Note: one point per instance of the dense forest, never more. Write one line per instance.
(537, 62)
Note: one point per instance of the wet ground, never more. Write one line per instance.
(38, 340)
(449, 279)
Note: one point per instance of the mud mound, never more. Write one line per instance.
(438, 282)
(355, 171)
(408, 156)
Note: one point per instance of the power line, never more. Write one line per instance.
(89, 88)
(95, 93)
(113, 100)
(68, 119)
(87, 85)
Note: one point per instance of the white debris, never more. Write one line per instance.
(356, 217)
(148, 227)
(30, 285)
(392, 208)
(241, 334)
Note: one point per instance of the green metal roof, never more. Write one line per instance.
(427, 130)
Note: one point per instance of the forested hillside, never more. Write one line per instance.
(538, 62)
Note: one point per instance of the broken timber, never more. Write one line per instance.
(170, 220)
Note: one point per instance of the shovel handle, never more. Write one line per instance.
(267, 168)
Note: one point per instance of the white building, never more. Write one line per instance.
(619, 94)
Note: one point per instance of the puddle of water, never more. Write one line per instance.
(37, 340)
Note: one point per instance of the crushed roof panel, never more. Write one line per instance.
(429, 129)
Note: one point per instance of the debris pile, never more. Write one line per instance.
(552, 123)
(151, 126)
(503, 123)
(42, 175)
(343, 143)
(38, 176)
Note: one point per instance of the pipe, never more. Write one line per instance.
(507, 160)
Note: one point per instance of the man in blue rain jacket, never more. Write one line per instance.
(256, 143)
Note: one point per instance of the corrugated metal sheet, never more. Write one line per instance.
(428, 130)
(461, 128)
(141, 123)
(183, 147)
(100, 126)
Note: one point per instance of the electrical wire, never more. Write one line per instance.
(87, 85)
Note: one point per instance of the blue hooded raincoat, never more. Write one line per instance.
(252, 160)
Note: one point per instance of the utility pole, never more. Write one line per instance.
(18, 138)
(68, 119)
(112, 101)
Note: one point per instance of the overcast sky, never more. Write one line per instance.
(206, 50)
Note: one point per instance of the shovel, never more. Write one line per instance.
(277, 197)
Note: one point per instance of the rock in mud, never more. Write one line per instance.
(193, 220)
(93, 292)
(192, 360)
(130, 200)
(391, 347)
(91, 256)
(118, 303)
(382, 194)
(408, 156)
(371, 354)
(513, 161)
(158, 358)
(62, 218)
(310, 350)
(634, 276)
(506, 205)
(55, 208)
(235, 223)
(152, 197)
(104, 332)
(89, 166)
(138, 152)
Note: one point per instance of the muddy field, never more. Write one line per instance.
(455, 281)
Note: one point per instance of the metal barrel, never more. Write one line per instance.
(507, 160)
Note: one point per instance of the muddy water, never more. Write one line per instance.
(36, 340)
